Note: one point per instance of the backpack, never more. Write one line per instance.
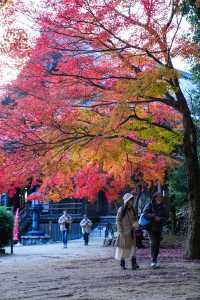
(143, 222)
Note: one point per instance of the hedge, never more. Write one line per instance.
(6, 226)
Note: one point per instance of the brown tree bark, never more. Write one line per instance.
(193, 174)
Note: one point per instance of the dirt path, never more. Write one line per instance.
(90, 273)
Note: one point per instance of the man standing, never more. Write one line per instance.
(157, 213)
(86, 225)
(65, 224)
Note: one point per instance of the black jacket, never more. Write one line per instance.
(158, 210)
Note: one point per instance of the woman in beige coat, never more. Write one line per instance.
(126, 225)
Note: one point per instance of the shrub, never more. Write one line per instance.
(6, 226)
(177, 184)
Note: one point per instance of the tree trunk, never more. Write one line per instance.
(193, 174)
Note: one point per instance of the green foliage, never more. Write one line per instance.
(153, 83)
(164, 141)
(127, 146)
(177, 184)
(6, 226)
(192, 12)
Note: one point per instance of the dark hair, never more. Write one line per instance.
(124, 210)
(155, 196)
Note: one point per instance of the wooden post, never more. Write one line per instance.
(50, 228)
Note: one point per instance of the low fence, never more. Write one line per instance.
(53, 230)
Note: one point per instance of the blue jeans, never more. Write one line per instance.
(86, 238)
(64, 237)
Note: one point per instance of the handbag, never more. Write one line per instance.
(143, 221)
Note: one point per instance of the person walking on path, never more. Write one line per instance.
(65, 224)
(157, 213)
(126, 224)
(86, 225)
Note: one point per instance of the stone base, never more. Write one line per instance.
(28, 240)
(2, 251)
(35, 233)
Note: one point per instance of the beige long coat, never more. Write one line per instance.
(126, 229)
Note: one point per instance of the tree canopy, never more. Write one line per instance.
(96, 100)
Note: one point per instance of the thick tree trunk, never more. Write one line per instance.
(193, 173)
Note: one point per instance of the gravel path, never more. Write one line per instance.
(90, 273)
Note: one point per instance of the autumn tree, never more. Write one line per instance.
(191, 9)
(100, 98)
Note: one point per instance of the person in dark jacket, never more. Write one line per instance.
(157, 213)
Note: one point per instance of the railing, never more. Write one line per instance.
(49, 217)
(53, 210)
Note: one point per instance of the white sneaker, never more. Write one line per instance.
(157, 265)
(153, 265)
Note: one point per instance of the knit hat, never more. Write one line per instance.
(127, 197)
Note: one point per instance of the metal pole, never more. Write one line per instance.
(11, 242)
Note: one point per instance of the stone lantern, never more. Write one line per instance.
(35, 236)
